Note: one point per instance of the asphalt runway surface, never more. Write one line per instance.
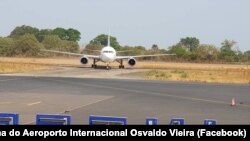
(134, 99)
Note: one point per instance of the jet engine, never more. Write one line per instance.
(131, 61)
(84, 60)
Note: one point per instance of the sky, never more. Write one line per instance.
(136, 22)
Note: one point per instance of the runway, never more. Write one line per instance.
(134, 99)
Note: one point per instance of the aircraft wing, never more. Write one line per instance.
(70, 53)
(141, 56)
(92, 50)
(123, 51)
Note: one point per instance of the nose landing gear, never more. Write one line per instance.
(108, 67)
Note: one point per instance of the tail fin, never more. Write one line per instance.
(109, 39)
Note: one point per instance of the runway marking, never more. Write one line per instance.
(34, 103)
(110, 97)
(151, 93)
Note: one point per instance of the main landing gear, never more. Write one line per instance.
(94, 64)
(121, 66)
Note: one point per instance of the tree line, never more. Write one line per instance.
(26, 41)
(190, 49)
(187, 49)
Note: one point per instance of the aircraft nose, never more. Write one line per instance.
(109, 57)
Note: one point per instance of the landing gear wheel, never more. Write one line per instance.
(94, 66)
(121, 67)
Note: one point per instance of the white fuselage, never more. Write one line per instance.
(108, 54)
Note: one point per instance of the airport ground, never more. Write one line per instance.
(83, 91)
(153, 70)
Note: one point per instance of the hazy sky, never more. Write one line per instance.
(136, 22)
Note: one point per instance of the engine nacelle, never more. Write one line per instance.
(84, 60)
(131, 61)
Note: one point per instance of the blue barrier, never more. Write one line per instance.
(177, 121)
(107, 120)
(151, 121)
(210, 122)
(42, 119)
(9, 119)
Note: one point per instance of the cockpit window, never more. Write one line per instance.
(108, 52)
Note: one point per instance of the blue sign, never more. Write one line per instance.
(177, 121)
(210, 122)
(106, 120)
(151, 121)
(9, 119)
(53, 119)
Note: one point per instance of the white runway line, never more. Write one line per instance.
(34, 103)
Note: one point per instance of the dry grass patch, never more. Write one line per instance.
(191, 66)
(41, 61)
(221, 73)
(14, 64)
(14, 67)
(224, 76)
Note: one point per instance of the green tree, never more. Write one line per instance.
(89, 47)
(128, 50)
(227, 51)
(43, 33)
(243, 56)
(69, 46)
(228, 45)
(55, 43)
(191, 43)
(52, 42)
(155, 47)
(61, 33)
(103, 40)
(247, 55)
(132, 50)
(5, 46)
(155, 50)
(240, 57)
(74, 35)
(179, 50)
(137, 50)
(70, 34)
(207, 52)
(21, 30)
(27, 45)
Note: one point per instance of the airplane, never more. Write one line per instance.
(107, 55)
